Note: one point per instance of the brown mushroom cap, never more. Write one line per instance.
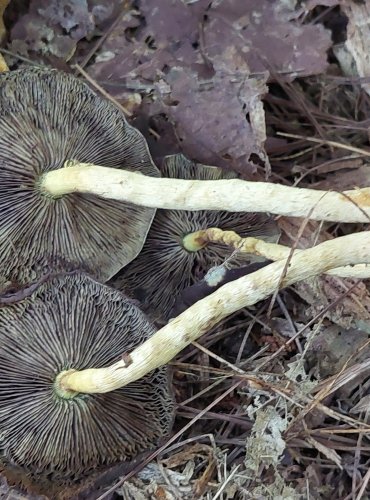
(46, 118)
(164, 267)
(72, 321)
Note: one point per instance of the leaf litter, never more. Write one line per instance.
(219, 81)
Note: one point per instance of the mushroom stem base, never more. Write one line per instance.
(193, 242)
(61, 385)
(57, 183)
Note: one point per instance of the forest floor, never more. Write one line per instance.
(276, 91)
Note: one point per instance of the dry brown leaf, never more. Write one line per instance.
(362, 405)
(200, 57)
(353, 310)
(358, 37)
(190, 453)
(54, 27)
(257, 35)
(201, 484)
(222, 123)
(347, 179)
(334, 348)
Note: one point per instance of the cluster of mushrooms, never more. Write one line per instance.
(85, 277)
(89, 268)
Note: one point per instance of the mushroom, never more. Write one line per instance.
(349, 250)
(170, 260)
(70, 323)
(46, 118)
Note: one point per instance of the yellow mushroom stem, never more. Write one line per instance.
(233, 195)
(3, 66)
(272, 251)
(3, 6)
(193, 242)
(165, 344)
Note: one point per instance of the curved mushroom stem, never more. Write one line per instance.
(203, 315)
(271, 251)
(233, 195)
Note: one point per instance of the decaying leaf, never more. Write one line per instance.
(221, 121)
(266, 444)
(353, 309)
(236, 37)
(334, 348)
(357, 176)
(362, 405)
(8, 492)
(358, 37)
(264, 35)
(206, 64)
(54, 27)
(159, 483)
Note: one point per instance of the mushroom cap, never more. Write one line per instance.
(164, 267)
(73, 322)
(46, 118)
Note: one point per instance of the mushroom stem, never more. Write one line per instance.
(3, 66)
(271, 251)
(232, 195)
(193, 242)
(203, 315)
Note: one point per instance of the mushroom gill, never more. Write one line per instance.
(164, 266)
(73, 322)
(46, 118)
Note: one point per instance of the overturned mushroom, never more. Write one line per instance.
(73, 322)
(177, 334)
(46, 118)
(170, 260)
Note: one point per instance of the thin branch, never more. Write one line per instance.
(325, 142)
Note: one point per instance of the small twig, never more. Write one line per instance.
(21, 58)
(222, 361)
(103, 92)
(124, 9)
(13, 294)
(324, 142)
(291, 252)
(229, 478)
(364, 485)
